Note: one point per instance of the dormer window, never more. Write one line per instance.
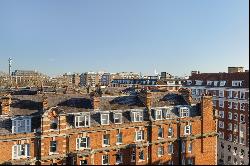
(82, 121)
(105, 119)
(167, 113)
(209, 83)
(216, 83)
(236, 83)
(198, 82)
(21, 124)
(222, 83)
(184, 112)
(137, 116)
(158, 114)
(53, 124)
(117, 118)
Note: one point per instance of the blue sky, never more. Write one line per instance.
(176, 36)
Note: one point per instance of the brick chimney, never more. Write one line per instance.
(95, 102)
(5, 104)
(186, 93)
(145, 97)
(45, 104)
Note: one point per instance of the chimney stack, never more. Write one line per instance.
(95, 100)
(186, 93)
(146, 98)
(5, 104)
(45, 105)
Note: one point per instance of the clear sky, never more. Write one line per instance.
(177, 36)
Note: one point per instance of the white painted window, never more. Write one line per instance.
(141, 155)
(82, 143)
(235, 94)
(158, 114)
(230, 94)
(20, 151)
(242, 95)
(230, 105)
(187, 130)
(221, 134)
(235, 116)
(221, 124)
(105, 159)
(242, 118)
(21, 125)
(170, 149)
(118, 118)
(160, 151)
(221, 113)
(242, 106)
(223, 83)
(230, 115)
(209, 83)
(216, 83)
(230, 126)
(235, 104)
(106, 140)
(137, 116)
(235, 139)
(160, 132)
(170, 131)
(119, 138)
(221, 103)
(198, 82)
(221, 93)
(184, 112)
(82, 121)
(105, 119)
(139, 135)
(193, 91)
(167, 114)
(54, 124)
(236, 83)
(119, 158)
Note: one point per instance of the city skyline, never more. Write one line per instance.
(141, 36)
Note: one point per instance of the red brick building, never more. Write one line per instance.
(148, 128)
(230, 93)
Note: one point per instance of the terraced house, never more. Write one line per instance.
(230, 93)
(147, 128)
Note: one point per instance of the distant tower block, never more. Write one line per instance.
(10, 61)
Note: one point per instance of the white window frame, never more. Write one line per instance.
(86, 121)
(85, 140)
(121, 158)
(133, 156)
(221, 134)
(230, 94)
(242, 96)
(230, 104)
(158, 114)
(140, 135)
(236, 117)
(221, 93)
(103, 119)
(160, 151)
(242, 115)
(221, 113)
(119, 138)
(242, 106)
(162, 133)
(223, 83)
(216, 83)
(118, 116)
(21, 125)
(187, 129)
(230, 115)
(198, 82)
(236, 83)
(221, 124)
(230, 126)
(170, 149)
(137, 116)
(104, 158)
(190, 147)
(143, 156)
(106, 140)
(18, 148)
(235, 104)
(51, 146)
(209, 83)
(221, 103)
(184, 112)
